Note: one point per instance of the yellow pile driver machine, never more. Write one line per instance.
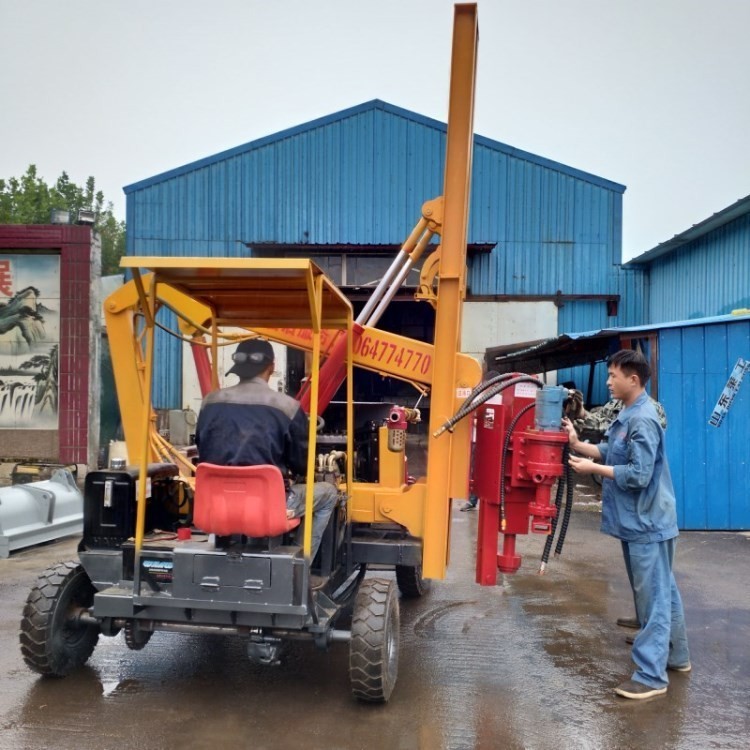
(154, 557)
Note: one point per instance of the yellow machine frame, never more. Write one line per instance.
(236, 292)
(285, 300)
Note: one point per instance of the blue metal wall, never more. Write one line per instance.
(710, 276)
(710, 465)
(359, 177)
(553, 231)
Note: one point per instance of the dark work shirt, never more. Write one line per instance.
(250, 424)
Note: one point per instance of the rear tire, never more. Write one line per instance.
(53, 641)
(374, 646)
(410, 581)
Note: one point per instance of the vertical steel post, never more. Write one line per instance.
(149, 306)
(451, 285)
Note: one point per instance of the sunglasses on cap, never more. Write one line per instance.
(256, 358)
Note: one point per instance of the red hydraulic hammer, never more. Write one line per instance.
(517, 460)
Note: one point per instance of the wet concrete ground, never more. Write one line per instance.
(528, 664)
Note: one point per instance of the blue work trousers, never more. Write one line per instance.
(324, 501)
(662, 639)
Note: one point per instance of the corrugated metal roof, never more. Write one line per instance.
(352, 112)
(359, 177)
(719, 219)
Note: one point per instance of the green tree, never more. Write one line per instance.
(30, 200)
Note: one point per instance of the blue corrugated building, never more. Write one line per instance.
(346, 190)
(702, 271)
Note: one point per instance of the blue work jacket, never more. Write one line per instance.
(638, 505)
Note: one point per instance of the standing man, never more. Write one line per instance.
(638, 508)
(249, 424)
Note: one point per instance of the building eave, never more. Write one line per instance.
(730, 213)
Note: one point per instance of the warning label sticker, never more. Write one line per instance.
(526, 390)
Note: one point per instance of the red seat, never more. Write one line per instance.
(249, 500)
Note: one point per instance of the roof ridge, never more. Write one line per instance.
(370, 105)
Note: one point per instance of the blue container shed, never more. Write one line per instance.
(710, 465)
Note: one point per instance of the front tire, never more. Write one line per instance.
(374, 645)
(410, 581)
(53, 640)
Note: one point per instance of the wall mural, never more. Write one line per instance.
(29, 341)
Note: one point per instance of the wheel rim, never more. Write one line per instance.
(67, 614)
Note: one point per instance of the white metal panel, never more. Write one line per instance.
(191, 392)
(488, 324)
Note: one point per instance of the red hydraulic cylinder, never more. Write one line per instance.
(202, 367)
(332, 373)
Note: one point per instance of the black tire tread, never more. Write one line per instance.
(410, 581)
(375, 610)
(39, 645)
(135, 638)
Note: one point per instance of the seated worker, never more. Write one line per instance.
(250, 424)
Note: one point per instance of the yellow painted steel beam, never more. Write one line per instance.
(374, 503)
(451, 286)
(149, 305)
(314, 291)
(382, 352)
(349, 406)
(126, 351)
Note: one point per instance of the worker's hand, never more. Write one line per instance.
(289, 514)
(572, 434)
(582, 465)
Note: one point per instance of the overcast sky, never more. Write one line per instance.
(652, 94)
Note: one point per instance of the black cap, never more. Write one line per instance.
(251, 358)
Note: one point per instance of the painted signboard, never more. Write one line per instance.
(29, 340)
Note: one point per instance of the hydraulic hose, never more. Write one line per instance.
(568, 509)
(484, 385)
(561, 484)
(506, 446)
(467, 409)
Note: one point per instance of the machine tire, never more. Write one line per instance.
(52, 642)
(410, 581)
(135, 637)
(374, 645)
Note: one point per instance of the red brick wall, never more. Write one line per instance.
(70, 442)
